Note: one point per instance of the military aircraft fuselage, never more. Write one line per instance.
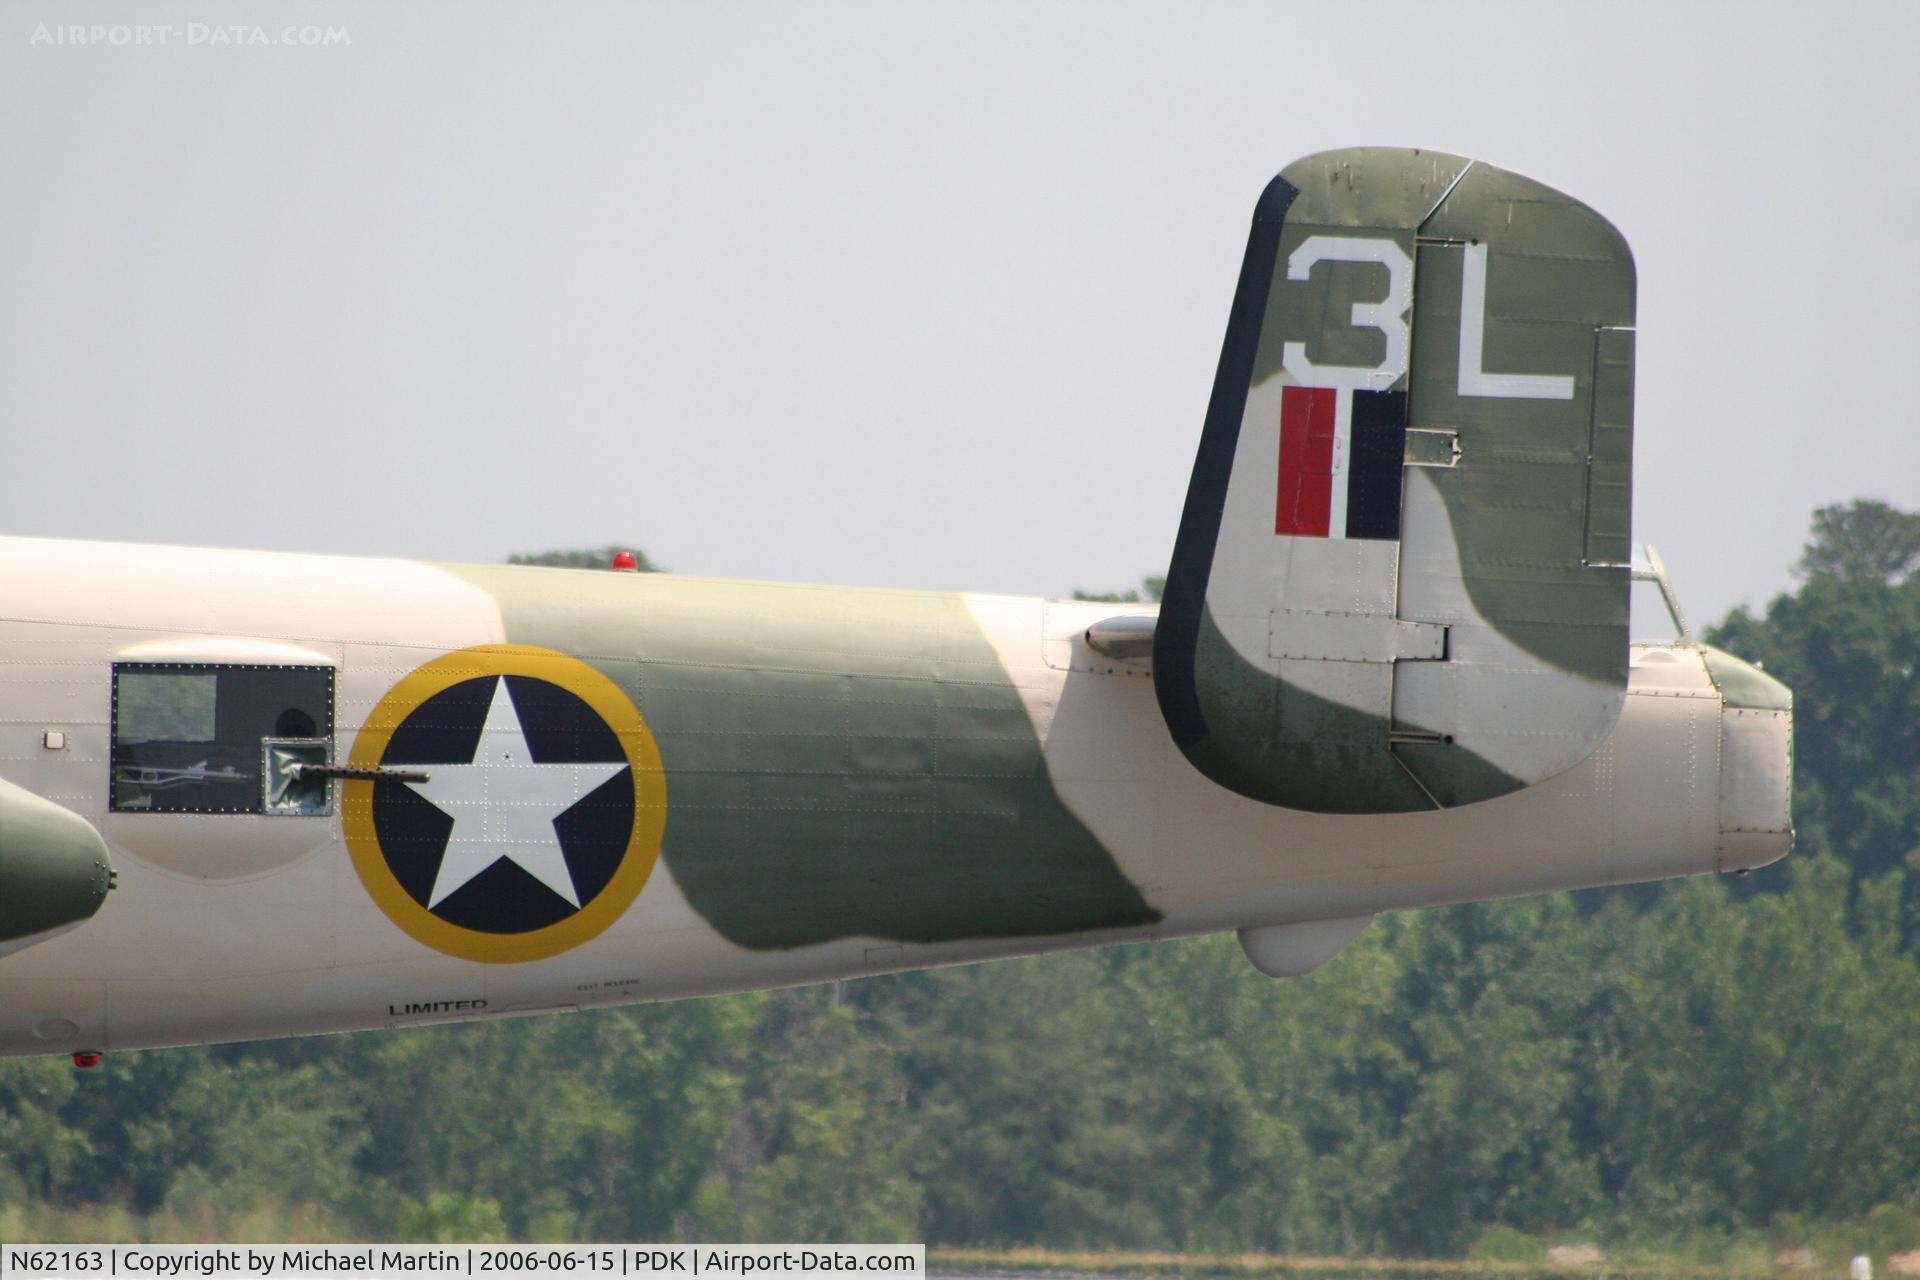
(1392, 669)
(795, 783)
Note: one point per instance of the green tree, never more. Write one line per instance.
(1494, 997)
(1226, 1061)
(1849, 647)
(824, 1145)
(1755, 1058)
(41, 1149)
(445, 1218)
(1865, 538)
(597, 1126)
(1151, 588)
(1030, 1116)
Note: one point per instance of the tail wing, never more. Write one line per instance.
(1401, 577)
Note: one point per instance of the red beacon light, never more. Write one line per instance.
(86, 1059)
(626, 562)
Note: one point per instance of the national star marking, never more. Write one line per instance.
(503, 804)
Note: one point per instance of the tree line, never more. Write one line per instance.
(1713, 1069)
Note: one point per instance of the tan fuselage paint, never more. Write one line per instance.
(801, 732)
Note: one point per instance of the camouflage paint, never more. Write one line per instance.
(851, 765)
(54, 868)
(1543, 537)
(1332, 761)
(1357, 275)
(840, 762)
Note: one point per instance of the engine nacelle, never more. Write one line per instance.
(54, 869)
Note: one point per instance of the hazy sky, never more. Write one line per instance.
(908, 294)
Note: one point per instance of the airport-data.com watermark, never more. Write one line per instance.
(192, 35)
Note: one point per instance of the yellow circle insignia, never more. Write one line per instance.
(540, 815)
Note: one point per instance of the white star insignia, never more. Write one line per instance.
(503, 805)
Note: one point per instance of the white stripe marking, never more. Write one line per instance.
(1474, 380)
(1342, 461)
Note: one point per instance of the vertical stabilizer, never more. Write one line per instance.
(1401, 577)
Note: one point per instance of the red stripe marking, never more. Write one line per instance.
(1306, 461)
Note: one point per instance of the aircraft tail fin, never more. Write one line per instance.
(1401, 577)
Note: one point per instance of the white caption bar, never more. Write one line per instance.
(305, 1262)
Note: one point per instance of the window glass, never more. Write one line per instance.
(166, 707)
(187, 737)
